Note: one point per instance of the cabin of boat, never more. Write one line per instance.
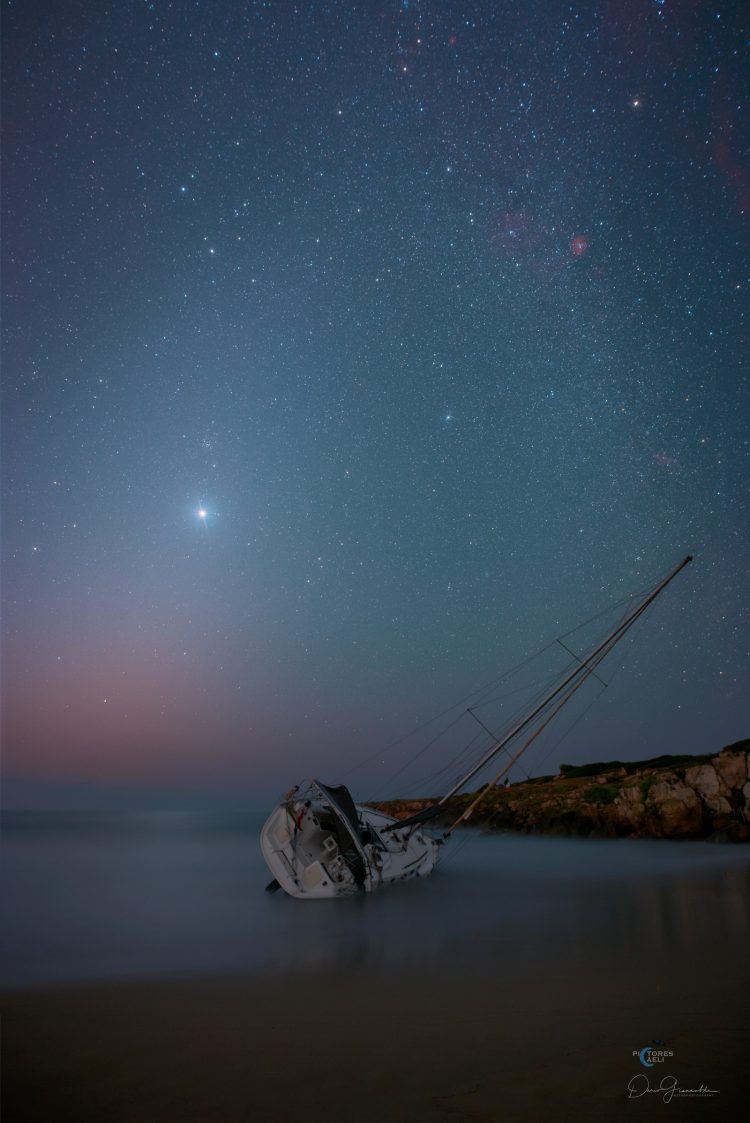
(318, 843)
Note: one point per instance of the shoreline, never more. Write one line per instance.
(515, 988)
(704, 798)
(410, 1046)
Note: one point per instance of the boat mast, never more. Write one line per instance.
(581, 673)
(584, 669)
(590, 669)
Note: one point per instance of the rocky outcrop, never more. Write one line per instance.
(666, 797)
(674, 810)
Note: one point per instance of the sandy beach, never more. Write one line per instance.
(148, 978)
(409, 1047)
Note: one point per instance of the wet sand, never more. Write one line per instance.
(515, 985)
(491, 1043)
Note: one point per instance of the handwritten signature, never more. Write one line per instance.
(639, 1086)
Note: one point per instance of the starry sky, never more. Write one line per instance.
(352, 352)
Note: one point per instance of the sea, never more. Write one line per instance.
(121, 896)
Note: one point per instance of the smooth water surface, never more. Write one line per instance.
(89, 897)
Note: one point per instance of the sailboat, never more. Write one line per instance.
(318, 843)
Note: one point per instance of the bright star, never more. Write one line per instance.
(202, 513)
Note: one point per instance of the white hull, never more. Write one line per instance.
(316, 848)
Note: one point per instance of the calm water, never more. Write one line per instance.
(114, 896)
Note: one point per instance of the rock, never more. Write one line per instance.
(679, 817)
(628, 810)
(731, 770)
(705, 781)
(661, 791)
(569, 823)
(676, 808)
(664, 797)
(732, 832)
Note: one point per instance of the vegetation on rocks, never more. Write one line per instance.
(604, 793)
(705, 796)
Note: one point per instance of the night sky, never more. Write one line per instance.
(352, 352)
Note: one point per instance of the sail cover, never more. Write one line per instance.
(347, 829)
(418, 817)
(342, 800)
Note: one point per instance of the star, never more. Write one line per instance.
(347, 342)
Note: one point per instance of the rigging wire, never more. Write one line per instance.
(424, 749)
(545, 684)
(493, 700)
(456, 846)
(628, 598)
(494, 737)
(483, 697)
(561, 696)
(631, 641)
(457, 759)
(570, 729)
(491, 684)
(456, 764)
